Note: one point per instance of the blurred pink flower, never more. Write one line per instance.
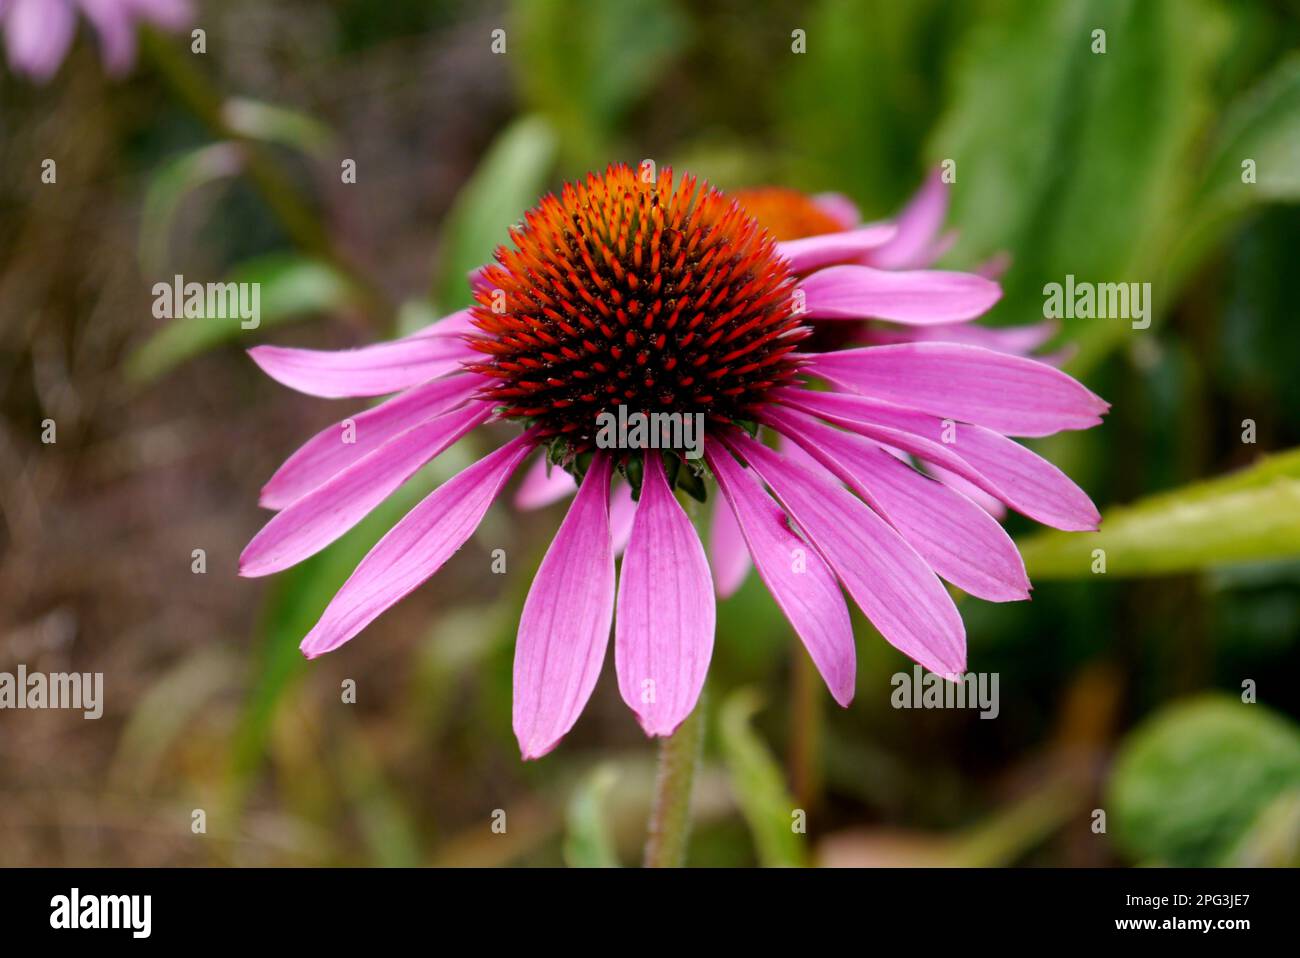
(824, 234)
(665, 297)
(38, 33)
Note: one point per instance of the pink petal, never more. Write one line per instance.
(938, 249)
(663, 634)
(990, 504)
(959, 540)
(840, 208)
(1013, 395)
(322, 515)
(544, 484)
(1028, 482)
(113, 24)
(920, 297)
(416, 547)
(798, 455)
(1003, 468)
(803, 587)
(168, 14)
(622, 513)
(565, 623)
(327, 452)
(37, 36)
(1017, 340)
(727, 552)
(369, 371)
(899, 593)
(918, 225)
(994, 266)
(813, 252)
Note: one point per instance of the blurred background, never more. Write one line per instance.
(1146, 713)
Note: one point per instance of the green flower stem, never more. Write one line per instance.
(301, 224)
(805, 729)
(670, 814)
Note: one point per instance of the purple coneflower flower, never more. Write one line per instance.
(829, 232)
(666, 297)
(915, 239)
(38, 33)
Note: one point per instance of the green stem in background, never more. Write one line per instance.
(670, 813)
(805, 730)
(301, 224)
(1009, 833)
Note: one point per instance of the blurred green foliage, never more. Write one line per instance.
(584, 64)
(778, 825)
(291, 287)
(509, 179)
(589, 842)
(1191, 781)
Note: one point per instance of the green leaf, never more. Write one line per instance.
(1263, 125)
(588, 839)
(1190, 782)
(584, 64)
(508, 182)
(167, 189)
(290, 287)
(1250, 515)
(866, 144)
(1273, 839)
(759, 785)
(277, 124)
(1061, 163)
